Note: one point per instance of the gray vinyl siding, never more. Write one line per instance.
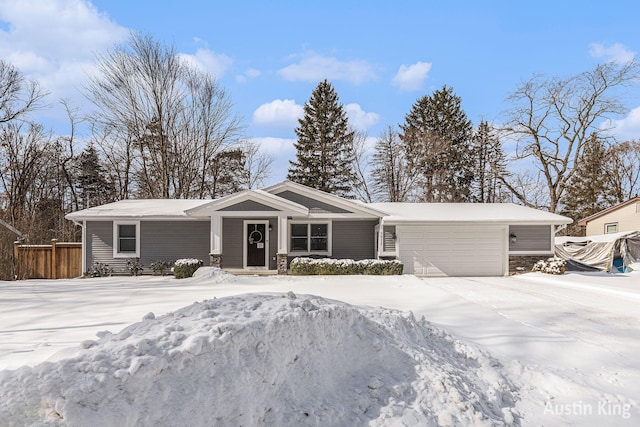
(530, 238)
(172, 240)
(353, 239)
(99, 246)
(248, 206)
(313, 205)
(159, 241)
(233, 243)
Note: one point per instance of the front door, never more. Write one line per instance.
(256, 243)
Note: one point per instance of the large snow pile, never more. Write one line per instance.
(265, 359)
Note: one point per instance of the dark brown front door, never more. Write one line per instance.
(256, 245)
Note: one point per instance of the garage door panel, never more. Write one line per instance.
(452, 250)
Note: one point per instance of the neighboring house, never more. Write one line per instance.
(265, 229)
(616, 219)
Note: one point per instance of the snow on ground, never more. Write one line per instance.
(532, 350)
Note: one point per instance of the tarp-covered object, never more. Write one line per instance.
(615, 252)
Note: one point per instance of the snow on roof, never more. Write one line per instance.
(466, 212)
(139, 209)
(396, 212)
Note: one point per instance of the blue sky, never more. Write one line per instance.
(381, 56)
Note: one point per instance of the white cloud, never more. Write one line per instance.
(281, 113)
(214, 63)
(412, 77)
(359, 118)
(55, 41)
(612, 53)
(314, 67)
(283, 150)
(627, 128)
(278, 146)
(251, 73)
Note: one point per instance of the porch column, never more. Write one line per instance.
(282, 244)
(380, 238)
(215, 253)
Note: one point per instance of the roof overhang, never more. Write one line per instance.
(350, 205)
(260, 196)
(583, 222)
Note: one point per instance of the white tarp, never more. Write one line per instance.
(607, 252)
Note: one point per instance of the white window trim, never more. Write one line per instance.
(309, 252)
(607, 225)
(118, 254)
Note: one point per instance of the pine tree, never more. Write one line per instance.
(325, 155)
(437, 137)
(490, 164)
(586, 193)
(228, 171)
(92, 184)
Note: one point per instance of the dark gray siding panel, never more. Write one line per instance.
(248, 206)
(159, 241)
(314, 206)
(233, 244)
(172, 240)
(353, 239)
(99, 246)
(530, 238)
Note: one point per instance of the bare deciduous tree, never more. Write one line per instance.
(392, 180)
(257, 164)
(160, 121)
(18, 96)
(552, 118)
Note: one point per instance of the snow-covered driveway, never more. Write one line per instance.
(570, 343)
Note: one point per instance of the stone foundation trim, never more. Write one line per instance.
(282, 263)
(215, 260)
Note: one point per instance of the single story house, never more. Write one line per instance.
(265, 229)
(616, 219)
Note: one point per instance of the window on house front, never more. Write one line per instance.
(126, 239)
(309, 237)
(611, 228)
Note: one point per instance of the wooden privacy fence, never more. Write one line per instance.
(59, 260)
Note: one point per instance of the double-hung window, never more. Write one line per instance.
(126, 239)
(310, 238)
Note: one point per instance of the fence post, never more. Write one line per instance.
(16, 262)
(54, 260)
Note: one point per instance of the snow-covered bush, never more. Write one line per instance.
(185, 267)
(329, 266)
(134, 266)
(551, 265)
(99, 269)
(160, 267)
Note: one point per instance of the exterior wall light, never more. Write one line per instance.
(513, 238)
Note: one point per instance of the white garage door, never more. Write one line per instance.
(452, 250)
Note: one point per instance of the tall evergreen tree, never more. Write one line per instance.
(437, 137)
(92, 184)
(325, 155)
(491, 164)
(587, 189)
